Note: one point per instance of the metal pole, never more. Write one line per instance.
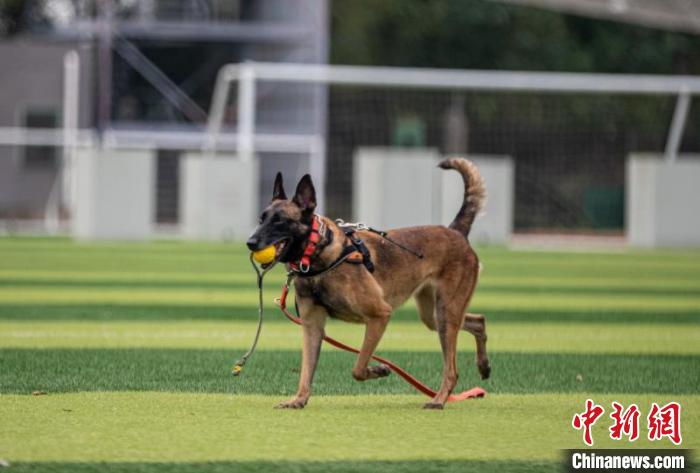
(61, 184)
(104, 112)
(71, 102)
(246, 113)
(217, 110)
(456, 79)
(675, 133)
(209, 145)
(317, 168)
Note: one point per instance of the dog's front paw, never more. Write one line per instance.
(296, 403)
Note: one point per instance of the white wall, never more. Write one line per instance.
(114, 194)
(218, 197)
(662, 201)
(396, 187)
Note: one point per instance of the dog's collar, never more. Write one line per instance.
(304, 263)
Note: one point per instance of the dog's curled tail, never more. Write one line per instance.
(474, 193)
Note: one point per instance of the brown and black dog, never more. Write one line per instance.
(442, 281)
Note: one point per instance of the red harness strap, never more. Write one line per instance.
(471, 393)
(304, 262)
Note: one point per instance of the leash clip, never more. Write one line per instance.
(356, 225)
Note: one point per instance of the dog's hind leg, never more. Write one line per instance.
(476, 325)
(449, 322)
(453, 290)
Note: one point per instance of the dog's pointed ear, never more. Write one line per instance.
(278, 188)
(305, 196)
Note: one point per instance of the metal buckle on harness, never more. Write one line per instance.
(321, 226)
(304, 267)
(356, 225)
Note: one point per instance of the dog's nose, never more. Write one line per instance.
(253, 243)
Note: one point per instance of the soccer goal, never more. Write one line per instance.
(568, 135)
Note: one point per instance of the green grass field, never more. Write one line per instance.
(133, 345)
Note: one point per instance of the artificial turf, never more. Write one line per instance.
(132, 346)
(580, 337)
(153, 426)
(276, 372)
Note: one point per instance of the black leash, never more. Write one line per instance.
(385, 235)
(238, 366)
(361, 226)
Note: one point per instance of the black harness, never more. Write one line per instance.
(354, 253)
(356, 244)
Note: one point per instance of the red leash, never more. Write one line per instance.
(471, 393)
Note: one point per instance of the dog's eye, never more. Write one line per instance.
(263, 217)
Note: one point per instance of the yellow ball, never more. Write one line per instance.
(266, 255)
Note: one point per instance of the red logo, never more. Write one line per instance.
(662, 421)
(626, 422)
(665, 422)
(586, 419)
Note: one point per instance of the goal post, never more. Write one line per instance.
(248, 73)
(238, 89)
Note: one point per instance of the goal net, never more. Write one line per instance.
(568, 134)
